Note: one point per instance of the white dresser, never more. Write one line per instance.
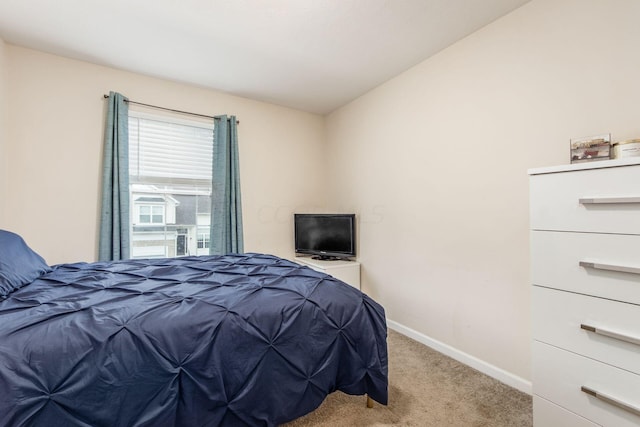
(347, 271)
(585, 272)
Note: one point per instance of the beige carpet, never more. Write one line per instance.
(427, 388)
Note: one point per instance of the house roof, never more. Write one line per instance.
(158, 199)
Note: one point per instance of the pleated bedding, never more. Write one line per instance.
(228, 340)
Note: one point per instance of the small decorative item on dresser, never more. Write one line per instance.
(591, 148)
(628, 148)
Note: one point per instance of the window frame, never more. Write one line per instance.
(169, 186)
(151, 213)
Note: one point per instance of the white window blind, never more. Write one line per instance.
(162, 150)
(170, 161)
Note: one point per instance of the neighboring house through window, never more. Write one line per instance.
(170, 161)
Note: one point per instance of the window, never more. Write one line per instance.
(203, 241)
(149, 214)
(170, 162)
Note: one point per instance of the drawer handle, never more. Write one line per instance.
(607, 200)
(612, 400)
(610, 267)
(611, 334)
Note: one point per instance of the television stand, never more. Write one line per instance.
(326, 258)
(347, 271)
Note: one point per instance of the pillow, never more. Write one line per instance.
(19, 265)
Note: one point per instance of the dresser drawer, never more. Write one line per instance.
(556, 259)
(559, 376)
(605, 330)
(548, 414)
(600, 200)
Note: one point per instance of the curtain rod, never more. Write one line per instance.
(169, 109)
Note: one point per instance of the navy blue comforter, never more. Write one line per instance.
(196, 341)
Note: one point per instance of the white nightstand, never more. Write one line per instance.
(347, 271)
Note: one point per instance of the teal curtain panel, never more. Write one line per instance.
(114, 217)
(226, 235)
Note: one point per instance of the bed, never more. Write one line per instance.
(230, 340)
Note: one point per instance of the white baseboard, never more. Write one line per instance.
(462, 357)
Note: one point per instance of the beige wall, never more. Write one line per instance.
(3, 131)
(55, 128)
(435, 162)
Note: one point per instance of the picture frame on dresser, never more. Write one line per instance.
(590, 148)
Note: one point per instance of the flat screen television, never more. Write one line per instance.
(325, 236)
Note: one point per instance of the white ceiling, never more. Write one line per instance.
(312, 55)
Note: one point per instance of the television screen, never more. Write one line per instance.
(325, 235)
